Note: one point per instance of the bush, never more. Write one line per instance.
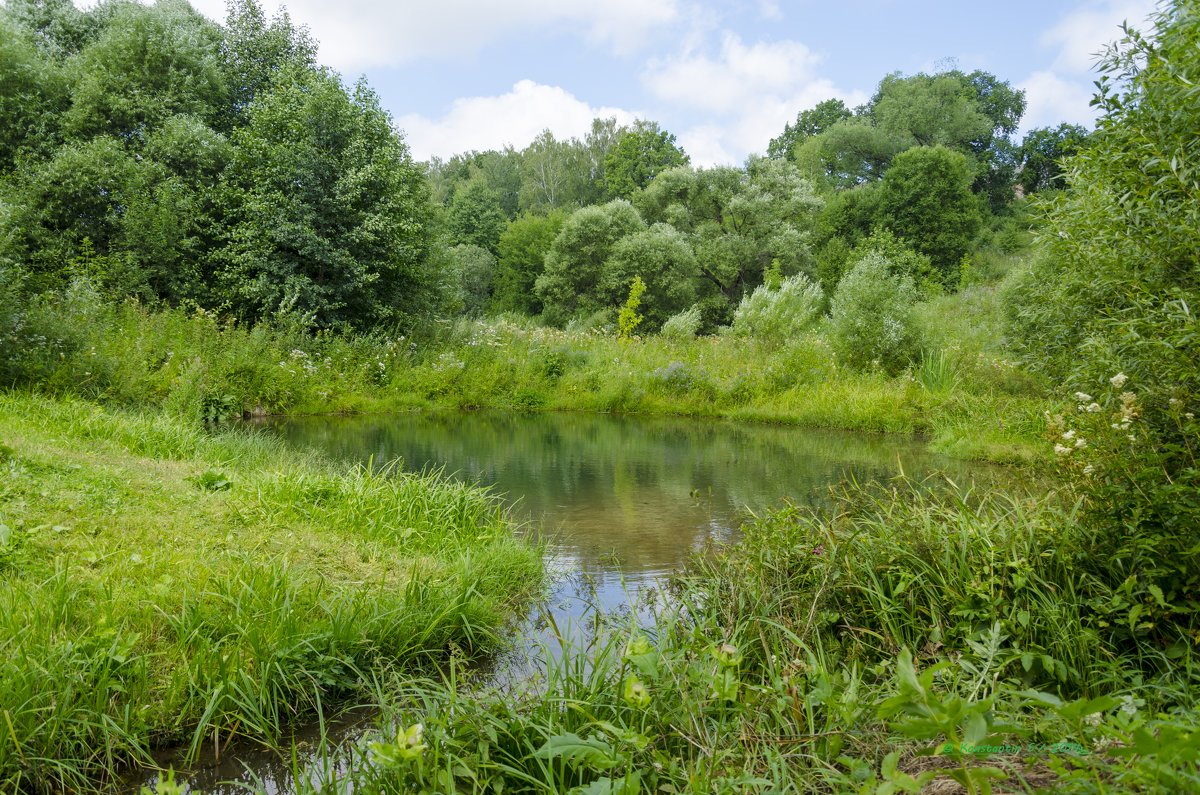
(872, 316)
(1110, 312)
(682, 326)
(777, 315)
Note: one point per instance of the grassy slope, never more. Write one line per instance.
(141, 599)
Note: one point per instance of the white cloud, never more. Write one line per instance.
(1063, 92)
(514, 118)
(1051, 100)
(748, 91)
(357, 34)
(1084, 33)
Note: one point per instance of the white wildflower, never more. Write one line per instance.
(1083, 397)
(1093, 407)
(1061, 450)
(1089, 469)
(1069, 435)
(1080, 444)
(1118, 380)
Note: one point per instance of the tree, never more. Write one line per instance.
(77, 200)
(662, 258)
(472, 270)
(849, 153)
(32, 94)
(871, 317)
(575, 263)
(926, 199)
(1042, 153)
(637, 156)
(523, 247)
(327, 214)
(475, 217)
(149, 63)
(809, 123)
(1110, 311)
(56, 27)
(254, 54)
(546, 176)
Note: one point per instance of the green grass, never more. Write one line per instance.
(161, 584)
(862, 650)
(966, 398)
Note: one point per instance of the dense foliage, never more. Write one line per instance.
(1109, 312)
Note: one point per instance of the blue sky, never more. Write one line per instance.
(723, 76)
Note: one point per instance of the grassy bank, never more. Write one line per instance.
(159, 584)
(903, 643)
(964, 395)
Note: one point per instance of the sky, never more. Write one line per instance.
(723, 76)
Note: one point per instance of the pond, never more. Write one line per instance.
(618, 502)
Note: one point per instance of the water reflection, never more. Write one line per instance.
(619, 502)
(622, 496)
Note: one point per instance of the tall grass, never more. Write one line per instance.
(869, 650)
(140, 606)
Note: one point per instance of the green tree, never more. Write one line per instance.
(57, 28)
(809, 123)
(80, 194)
(575, 264)
(523, 247)
(472, 269)
(926, 199)
(849, 153)
(475, 217)
(327, 214)
(666, 259)
(871, 316)
(546, 174)
(150, 63)
(637, 156)
(33, 92)
(255, 53)
(1042, 153)
(1110, 311)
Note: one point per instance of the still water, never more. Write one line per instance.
(617, 502)
(623, 498)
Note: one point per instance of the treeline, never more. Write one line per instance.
(169, 158)
(927, 171)
(179, 161)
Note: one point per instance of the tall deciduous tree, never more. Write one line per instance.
(150, 63)
(809, 123)
(637, 156)
(523, 248)
(575, 263)
(328, 214)
(926, 199)
(1042, 153)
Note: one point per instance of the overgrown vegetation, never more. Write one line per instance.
(163, 584)
(198, 222)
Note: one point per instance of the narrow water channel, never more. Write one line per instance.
(618, 502)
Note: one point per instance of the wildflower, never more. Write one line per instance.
(1080, 443)
(636, 695)
(1093, 407)
(728, 655)
(1189, 415)
(1118, 380)
(1175, 403)
(1061, 450)
(1069, 435)
(1083, 397)
(1089, 469)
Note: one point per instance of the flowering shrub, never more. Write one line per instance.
(1141, 494)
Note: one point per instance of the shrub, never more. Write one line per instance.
(872, 316)
(777, 315)
(682, 326)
